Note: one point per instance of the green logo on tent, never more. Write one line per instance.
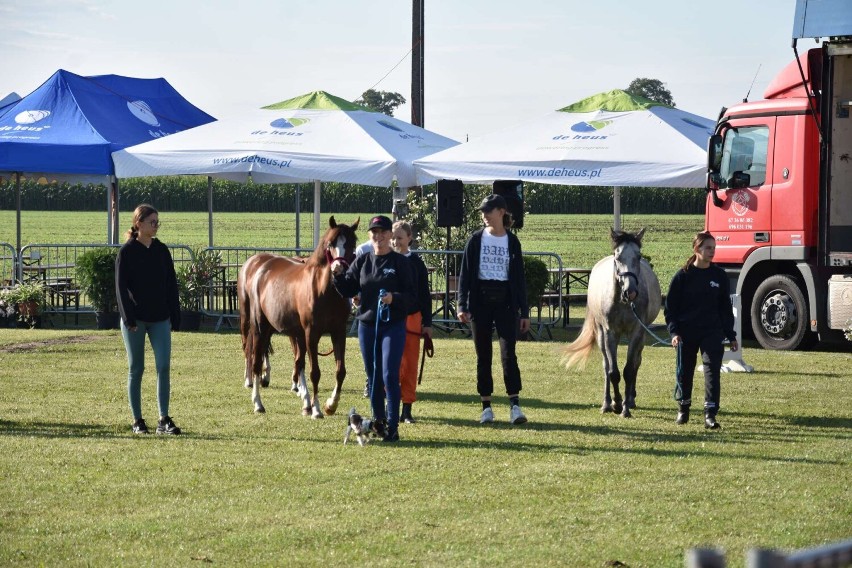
(590, 126)
(288, 122)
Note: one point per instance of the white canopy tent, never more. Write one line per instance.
(610, 139)
(313, 138)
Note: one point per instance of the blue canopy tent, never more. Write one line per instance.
(7, 101)
(68, 128)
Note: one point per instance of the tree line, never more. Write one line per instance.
(189, 193)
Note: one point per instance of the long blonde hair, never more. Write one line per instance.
(142, 212)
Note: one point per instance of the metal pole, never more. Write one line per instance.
(298, 213)
(209, 211)
(116, 209)
(447, 278)
(616, 208)
(109, 211)
(417, 63)
(18, 219)
(317, 188)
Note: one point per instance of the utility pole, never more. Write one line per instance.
(417, 105)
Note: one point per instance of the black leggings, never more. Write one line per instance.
(485, 320)
(712, 350)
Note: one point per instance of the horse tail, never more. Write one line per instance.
(576, 353)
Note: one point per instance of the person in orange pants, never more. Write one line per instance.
(418, 323)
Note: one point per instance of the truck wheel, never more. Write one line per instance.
(779, 314)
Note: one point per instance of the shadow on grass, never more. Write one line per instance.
(57, 429)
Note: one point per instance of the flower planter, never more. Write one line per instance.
(190, 320)
(28, 315)
(107, 320)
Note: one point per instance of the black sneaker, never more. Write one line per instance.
(391, 437)
(166, 426)
(139, 427)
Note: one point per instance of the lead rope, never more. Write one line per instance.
(678, 390)
(382, 315)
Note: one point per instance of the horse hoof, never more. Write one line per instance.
(317, 416)
(248, 384)
(631, 404)
(264, 384)
(626, 413)
(260, 410)
(617, 408)
(306, 412)
(329, 411)
(606, 408)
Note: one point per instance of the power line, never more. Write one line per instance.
(395, 66)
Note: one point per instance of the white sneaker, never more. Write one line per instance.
(516, 416)
(487, 415)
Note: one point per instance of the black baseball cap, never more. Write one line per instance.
(492, 202)
(380, 222)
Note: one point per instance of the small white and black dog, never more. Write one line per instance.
(364, 428)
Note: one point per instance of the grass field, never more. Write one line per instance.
(581, 240)
(570, 488)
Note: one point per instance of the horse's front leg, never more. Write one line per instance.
(610, 367)
(338, 341)
(299, 350)
(631, 371)
(313, 354)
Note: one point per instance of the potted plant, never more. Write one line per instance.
(96, 277)
(26, 300)
(195, 279)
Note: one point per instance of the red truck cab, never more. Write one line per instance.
(780, 200)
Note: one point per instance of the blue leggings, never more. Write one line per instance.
(389, 346)
(160, 333)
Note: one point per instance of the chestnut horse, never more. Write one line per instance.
(296, 297)
(622, 288)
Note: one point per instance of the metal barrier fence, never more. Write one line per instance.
(220, 299)
(55, 266)
(443, 268)
(8, 260)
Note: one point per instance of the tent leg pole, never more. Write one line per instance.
(317, 188)
(210, 211)
(616, 208)
(115, 209)
(298, 211)
(19, 271)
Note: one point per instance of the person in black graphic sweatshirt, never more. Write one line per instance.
(699, 317)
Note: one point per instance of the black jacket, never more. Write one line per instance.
(469, 275)
(369, 274)
(699, 301)
(424, 294)
(148, 275)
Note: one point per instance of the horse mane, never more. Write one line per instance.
(318, 257)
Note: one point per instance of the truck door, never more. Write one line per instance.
(745, 219)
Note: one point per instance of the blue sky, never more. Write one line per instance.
(489, 63)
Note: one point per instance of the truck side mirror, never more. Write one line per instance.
(739, 180)
(714, 153)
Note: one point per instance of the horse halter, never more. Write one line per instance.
(624, 274)
(331, 259)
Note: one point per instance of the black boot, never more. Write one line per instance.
(406, 413)
(710, 421)
(682, 414)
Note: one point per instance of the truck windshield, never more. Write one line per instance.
(745, 151)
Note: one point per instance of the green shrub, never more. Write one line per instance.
(96, 276)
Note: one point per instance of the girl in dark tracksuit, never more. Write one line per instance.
(147, 292)
(493, 296)
(382, 342)
(699, 317)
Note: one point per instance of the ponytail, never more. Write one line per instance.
(139, 214)
(696, 244)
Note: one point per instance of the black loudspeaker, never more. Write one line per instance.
(450, 203)
(513, 192)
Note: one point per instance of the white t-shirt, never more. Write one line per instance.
(363, 248)
(494, 257)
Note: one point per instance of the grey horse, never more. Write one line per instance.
(622, 287)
